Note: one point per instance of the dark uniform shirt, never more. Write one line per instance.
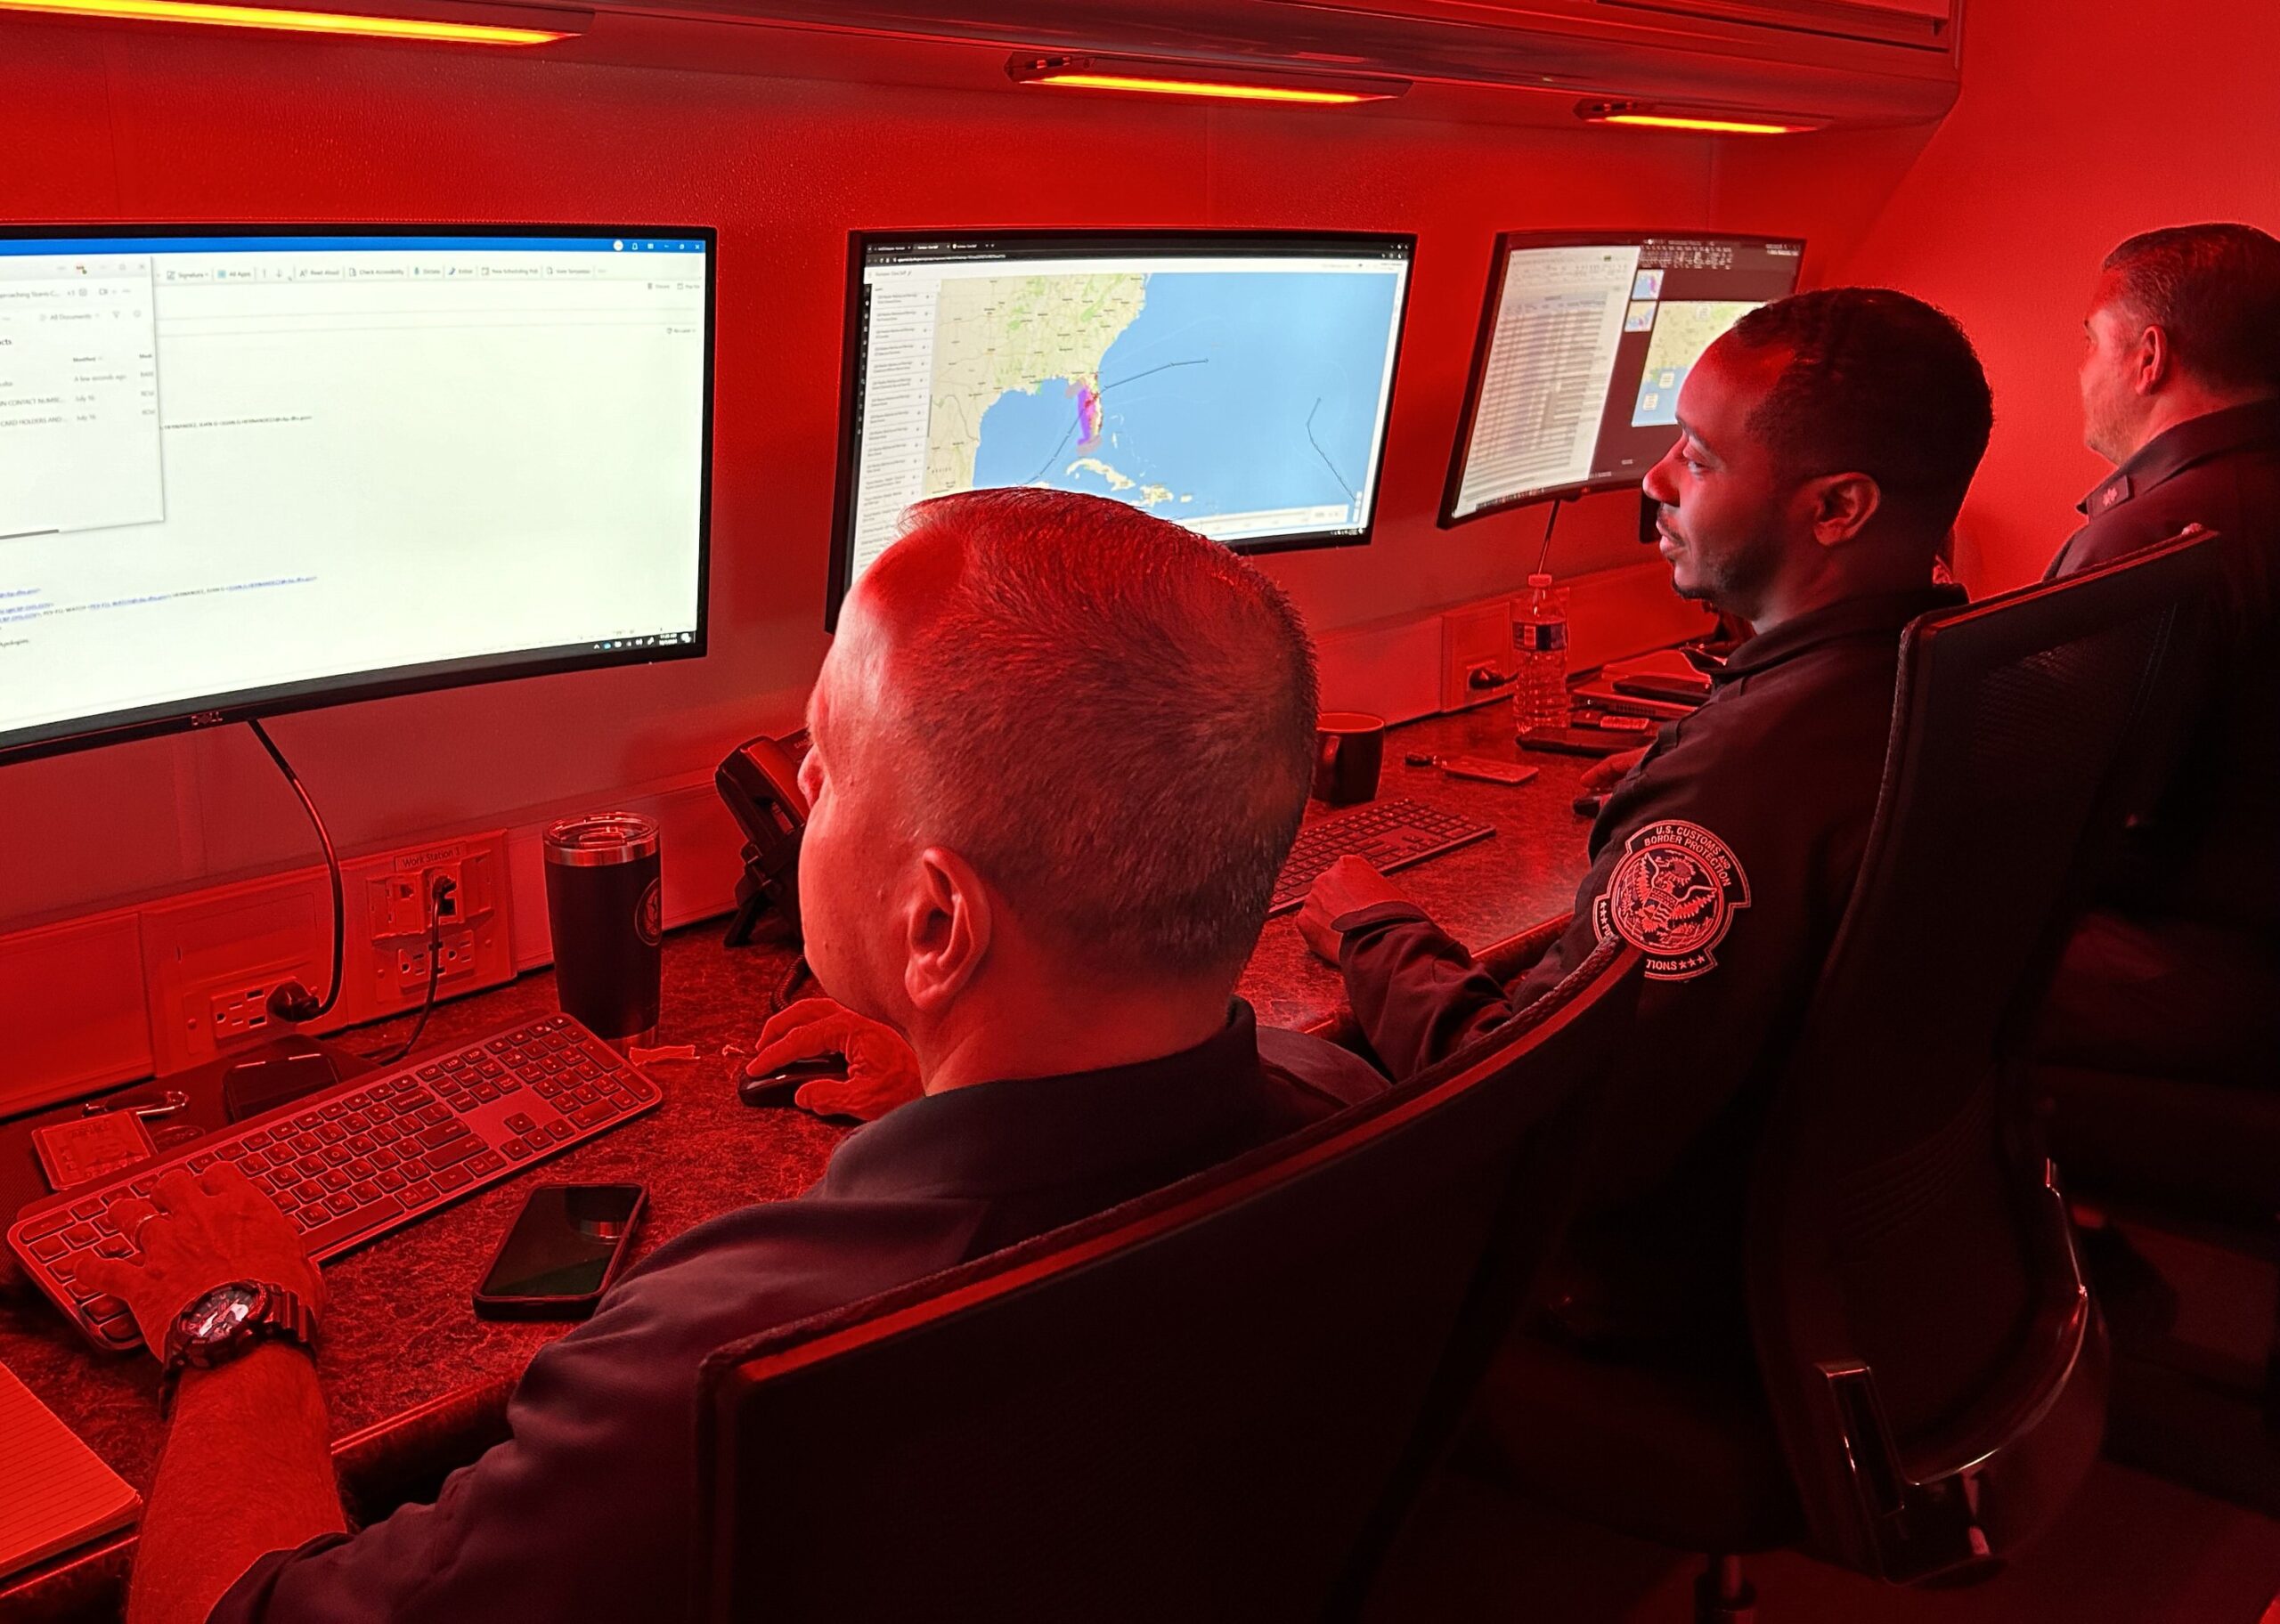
(1727, 857)
(2178, 969)
(585, 1512)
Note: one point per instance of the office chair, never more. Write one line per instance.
(1203, 1404)
(1932, 1369)
(2192, 1153)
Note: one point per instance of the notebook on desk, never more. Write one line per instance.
(56, 1492)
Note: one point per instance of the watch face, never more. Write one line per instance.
(220, 1312)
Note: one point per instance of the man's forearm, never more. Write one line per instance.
(1417, 995)
(246, 1470)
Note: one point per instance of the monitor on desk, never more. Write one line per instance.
(1584, 342)
(1237, 384)
(250, 469)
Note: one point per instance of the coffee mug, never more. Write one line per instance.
(1349, 750)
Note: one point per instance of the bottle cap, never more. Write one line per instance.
(1539, 580)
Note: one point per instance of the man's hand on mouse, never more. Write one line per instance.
(1346, 885)
(196, 1233)
(882, 1072)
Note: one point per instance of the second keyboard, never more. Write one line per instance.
(1389, 834)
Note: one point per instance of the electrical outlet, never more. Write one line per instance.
(463, 881)
(211, 959)
(1474, 639)
(242, 1011)
(458, 958)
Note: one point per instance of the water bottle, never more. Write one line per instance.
(1540, 657)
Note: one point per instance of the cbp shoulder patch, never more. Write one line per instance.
(1672, 897)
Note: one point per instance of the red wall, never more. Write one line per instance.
(2078, 124)
(108, 123)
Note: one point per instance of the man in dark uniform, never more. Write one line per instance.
(1826, 443)
(2177, 973)
(1060, 751)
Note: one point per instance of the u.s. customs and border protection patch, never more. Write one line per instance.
(1672, 897)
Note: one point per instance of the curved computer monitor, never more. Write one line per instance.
(1236, 383)
(246, 469)
(1585, 341)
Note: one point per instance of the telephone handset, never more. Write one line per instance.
(759, 781)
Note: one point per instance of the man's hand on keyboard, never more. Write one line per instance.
(1346, 885)
(882, 1072)
(194, 1234)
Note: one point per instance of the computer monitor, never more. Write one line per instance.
(245, 470)
(1236, 383)
(1583, 345)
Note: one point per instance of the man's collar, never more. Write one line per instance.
(2175, 450)
(1882, 614)
(1019, 1134)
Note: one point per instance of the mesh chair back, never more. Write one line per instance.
(1191, 1406)
(1912, 1280)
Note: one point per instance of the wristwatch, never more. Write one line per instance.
(228, 1322)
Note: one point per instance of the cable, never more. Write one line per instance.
(1543, 556)
(438, 895)
(289, 1001)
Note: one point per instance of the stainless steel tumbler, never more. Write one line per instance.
(602, 910)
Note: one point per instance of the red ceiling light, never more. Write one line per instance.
(1655, 116)
(1150, 76)
(471, 25)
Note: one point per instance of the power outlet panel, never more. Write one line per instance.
(1478, 637)
(461, 884)
(211, 959)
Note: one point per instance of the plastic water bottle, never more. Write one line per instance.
(1540, 657)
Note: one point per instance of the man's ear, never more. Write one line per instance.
(949, 915)
(1843, 504)
(2151, 362)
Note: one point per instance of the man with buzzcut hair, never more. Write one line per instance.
(2176, 972)
(1060, 750)
(1826, 442)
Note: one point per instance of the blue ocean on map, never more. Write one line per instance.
(1244, 391)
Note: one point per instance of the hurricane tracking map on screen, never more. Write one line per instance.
(1236, 384)
(1198, 395)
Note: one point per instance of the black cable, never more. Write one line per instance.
(1544, 555)
(436, 898)
(289, 1001)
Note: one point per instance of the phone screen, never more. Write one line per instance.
(563, 1241)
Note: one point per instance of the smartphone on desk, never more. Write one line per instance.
(565, 1247)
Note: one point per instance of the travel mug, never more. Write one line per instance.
(602, 911)
(1349, 750)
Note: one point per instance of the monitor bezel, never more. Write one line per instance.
(1500, 253)
(1137, 239)
(215, 711)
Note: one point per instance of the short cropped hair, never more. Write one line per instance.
(1880, 384)
(1113, 719)
(2215, 291)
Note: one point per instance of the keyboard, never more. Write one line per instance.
(1389, 834)
(353, 1162)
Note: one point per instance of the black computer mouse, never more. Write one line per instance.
(780, 1086)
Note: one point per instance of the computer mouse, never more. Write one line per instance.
(782, 1085)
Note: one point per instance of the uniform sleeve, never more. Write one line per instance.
(1420, 997)
(1416, 994)
(1711, 860)
(587, 1510)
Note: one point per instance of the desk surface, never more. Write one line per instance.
(415, 1382)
